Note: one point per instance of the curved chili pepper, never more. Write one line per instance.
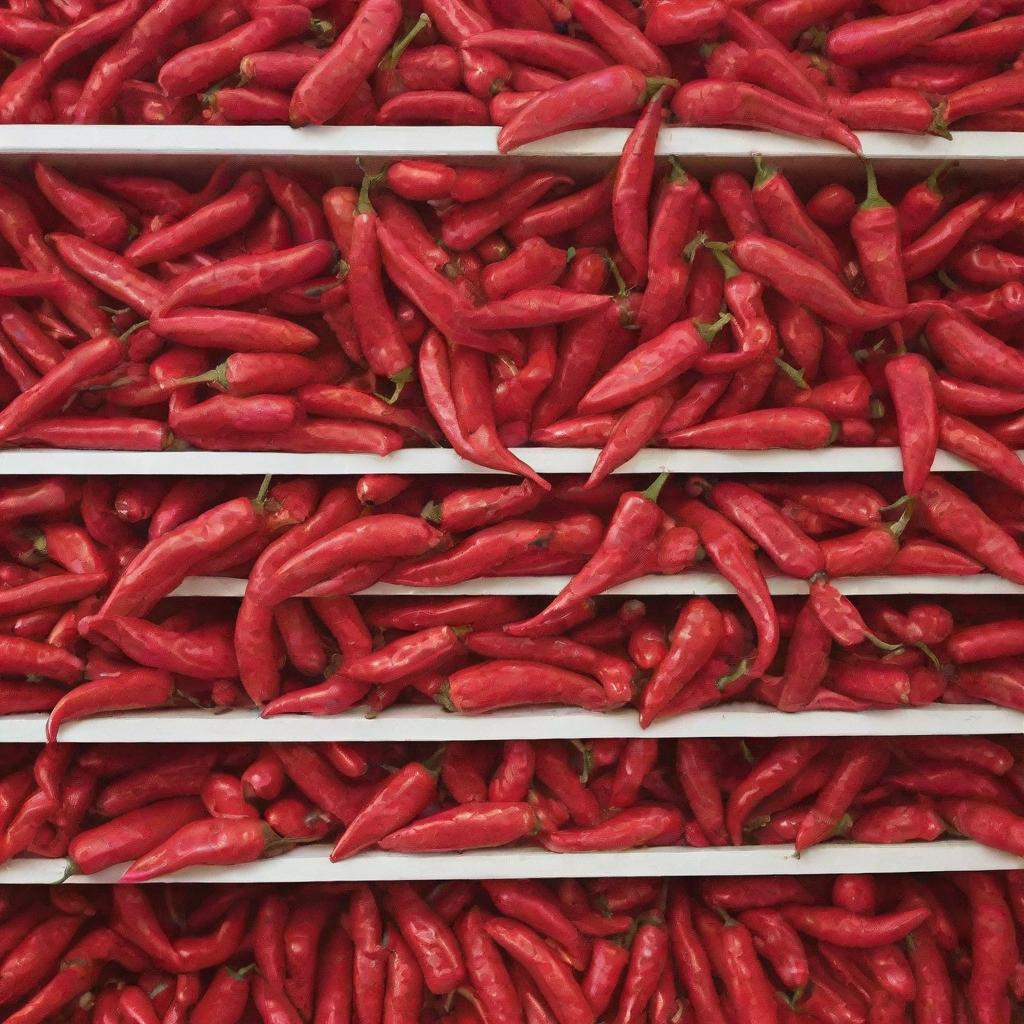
(951, 515)
(695, 637)
(926, 253)
(860, 765)
(805, 281)
(208, 841)
(398, 802)
(635, 523)
(648, 957)
(551, 975)
(473, 827)
(734, 957)
(430, 939)
(509, 683)
(136, 688)
(729, 549)
(634, 172)
(854, 931)
(881, 39)
(650, 365)
(130, 835)
(595, 95)
(981, 97)
(717, 102)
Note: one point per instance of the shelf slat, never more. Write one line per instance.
(649, 586)
(420, 461)
(430, 724)
(311, 864)
(270, 141)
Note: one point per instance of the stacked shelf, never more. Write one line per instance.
(335, 150)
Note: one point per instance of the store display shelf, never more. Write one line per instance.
(312, 864)
(648, 586)
(700, 146)
(443, 461)
(425, 723)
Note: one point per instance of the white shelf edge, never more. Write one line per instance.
(648, 586)
(311, 864)
(430, 724)
(270, 141)
(35, 461)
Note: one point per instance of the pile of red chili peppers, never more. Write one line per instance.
(149, 811)
(498, 306)
(89, 624)
(773, 950)
(819, 68)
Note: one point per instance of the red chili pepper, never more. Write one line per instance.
(208, 841)
(647, 824)
(136, 688)
(130, 835)
(730, 551)
(695, 637)
(910, 379)
(949, 514)
(226, 997)
(430, 939)
(551, 975)
(509, 683)
(972, 353)
(786, 218)
(650, 366)
(595, 95)
(927, 252)
(717, 102)
(90, 359)
(398, 802)
(735, 959)
(325, 89)
(648, 958)
(533, 307)
(691, 958)
(769, 68)
(860, 766)
(634, 173)
(881, 39)
(607, 964)
(990, 94)
(474, 826)
(805, 281)
(635, 524)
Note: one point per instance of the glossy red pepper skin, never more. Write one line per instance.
(592, 97)
(634, 176)
(434, 946)
(911, 385)
(128, 836)
(551, 975)
(951, 515)
(403, 797)
(210, 841)
(713, 103)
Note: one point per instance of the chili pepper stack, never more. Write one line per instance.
(491, 308)
(750, 949)
(90, 625)
(419, 303)
(148, 813)
(819, 68)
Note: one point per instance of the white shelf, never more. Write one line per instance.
(33, 461)
(311, 864)
(425, 723)
(274, 142)
(648, 586)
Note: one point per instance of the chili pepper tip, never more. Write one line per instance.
(654, 491)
